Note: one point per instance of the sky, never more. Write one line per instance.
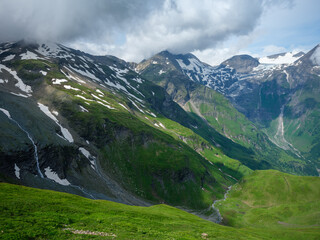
(133, 30)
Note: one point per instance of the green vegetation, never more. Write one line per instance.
(273, 200)
(160, 164)
(32, 213)
(151, 156)
(28, 213)
(224, 126)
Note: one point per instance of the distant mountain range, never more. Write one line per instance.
(281, 100)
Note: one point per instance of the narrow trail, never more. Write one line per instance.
(6, 112)
(288, 186)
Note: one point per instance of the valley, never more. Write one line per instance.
(170, 130)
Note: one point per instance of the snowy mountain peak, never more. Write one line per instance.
(281, 58)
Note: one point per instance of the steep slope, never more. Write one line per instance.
(90, 126)
(178, 75)
(295, 122)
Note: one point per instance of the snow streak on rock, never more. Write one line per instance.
(65, 132)
(54, 176)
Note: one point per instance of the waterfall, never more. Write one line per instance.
(33, 143)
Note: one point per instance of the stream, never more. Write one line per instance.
(29, 136)
(220, 200)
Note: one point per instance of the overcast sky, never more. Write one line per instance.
(135, 29)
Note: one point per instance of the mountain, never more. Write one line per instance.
(89, 125)
(241, 63)
(170, 130)
(220, 103)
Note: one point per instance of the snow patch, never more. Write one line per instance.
(58, 81)
(194, 65)
(54, 176)
(29, 55)
(5, 112)
(17, 171)
(19, 94)
(73, 77)
(106, 105)
(161, 72)
(139, 80)
(98, 91)
(71, 88)
(8, 58)
(66, 134)
(20, 84)
(82, 97)
(85, 73)
(136, 106)
(123, 106)
(88, 155)
(152, 114)
(83, 109)
(44, 73)
(288, 58)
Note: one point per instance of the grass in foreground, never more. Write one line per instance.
(41, 214)
(28, 213)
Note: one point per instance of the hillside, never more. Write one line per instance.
(273, 200)
(33, 213)
(90, 126)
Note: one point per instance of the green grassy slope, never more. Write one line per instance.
(274, 200)
(221, 115)
(27, 213)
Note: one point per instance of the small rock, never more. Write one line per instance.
(204, 235)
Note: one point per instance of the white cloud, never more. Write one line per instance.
(135, 29)
(273, 49)
(186, 25)
(227, 49)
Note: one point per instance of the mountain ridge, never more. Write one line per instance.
(242, 89)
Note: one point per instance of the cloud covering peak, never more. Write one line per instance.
(132, 29)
